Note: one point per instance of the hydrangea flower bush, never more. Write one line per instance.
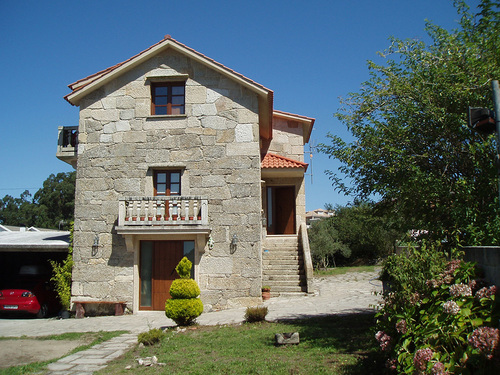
(439, 316)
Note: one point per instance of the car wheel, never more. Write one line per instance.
(43, 311)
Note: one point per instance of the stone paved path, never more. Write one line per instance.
(349, 293)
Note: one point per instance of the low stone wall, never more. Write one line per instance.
(488, 258)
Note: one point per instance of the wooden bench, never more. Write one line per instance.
(80, 311)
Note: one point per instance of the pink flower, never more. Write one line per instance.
(486, 292)
(451, 308)
(401, 326)
(384, 340)
(422, 356)
(438, 369)
(460, 290)
(485, 340)
(452, 266)
(391, 364)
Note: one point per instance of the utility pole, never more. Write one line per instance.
(496, 103)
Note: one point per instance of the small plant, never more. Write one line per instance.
(151, 337)
(62, 275)
(184, 306)
(266, 288)
(256, 314)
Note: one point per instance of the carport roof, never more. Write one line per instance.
(43, 240)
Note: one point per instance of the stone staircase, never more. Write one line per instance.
(283, 265)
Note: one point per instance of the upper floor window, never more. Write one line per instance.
(167, 98)
(167, 182)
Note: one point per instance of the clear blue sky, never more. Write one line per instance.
(309, 53)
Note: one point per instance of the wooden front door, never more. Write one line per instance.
(281, 210)
(157, 271)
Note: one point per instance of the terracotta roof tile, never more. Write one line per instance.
(276, 161)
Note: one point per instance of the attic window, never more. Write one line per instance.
(168, 98)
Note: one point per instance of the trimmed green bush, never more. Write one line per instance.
(184, 306)
(151, 337)
(184, 268)
(183, 311)
(184, 288)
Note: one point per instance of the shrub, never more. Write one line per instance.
(184, 288)
(151, 337)
(184, 268)
(62, 274)
(184, 306)
(438, 316)
(256, 314)
(183, 311)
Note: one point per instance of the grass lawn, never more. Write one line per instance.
(328, 345)
(342, 270)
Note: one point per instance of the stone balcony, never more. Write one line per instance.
(163, 214)
(67, 144)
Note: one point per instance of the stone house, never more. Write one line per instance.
(178, 155)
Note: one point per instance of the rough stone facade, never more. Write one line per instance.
(217, 146)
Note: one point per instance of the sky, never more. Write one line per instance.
(310, 53)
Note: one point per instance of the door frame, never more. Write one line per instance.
(273, 197)
(133, 245)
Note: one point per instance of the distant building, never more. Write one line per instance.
(318, 214)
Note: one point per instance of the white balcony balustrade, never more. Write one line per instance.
(162, 210)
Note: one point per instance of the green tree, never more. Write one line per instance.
(51, 207)
(55, 201)
(18, 211)
(366, 230)
(412, 145)
(325, 243)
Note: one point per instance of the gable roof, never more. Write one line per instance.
(277, 161)
(86, 85)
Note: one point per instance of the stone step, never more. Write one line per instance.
(282, 278)
(280, 242)
(281, 265)
(279, 283)
(277, 255)
(295, 259)
(273, 271)
(276, 291)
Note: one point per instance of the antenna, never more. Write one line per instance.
(312, 150)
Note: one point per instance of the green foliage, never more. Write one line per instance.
(62, 274)
(432, 313)
(256, 314)
(183, 311)
(356, 233)
(325, 243)
(184, 288)
(184, 306)
(184, 268)
(151, 337)
(51, 207)
(412, 145)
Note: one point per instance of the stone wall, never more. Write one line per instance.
(288, 139)
(488, 258)
(216, 144)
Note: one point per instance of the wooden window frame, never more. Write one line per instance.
(169, 106)
(168, 181)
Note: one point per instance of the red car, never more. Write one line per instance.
(33, 293)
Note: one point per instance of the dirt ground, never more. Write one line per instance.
(24, 351)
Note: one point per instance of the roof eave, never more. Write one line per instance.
(83, 87)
